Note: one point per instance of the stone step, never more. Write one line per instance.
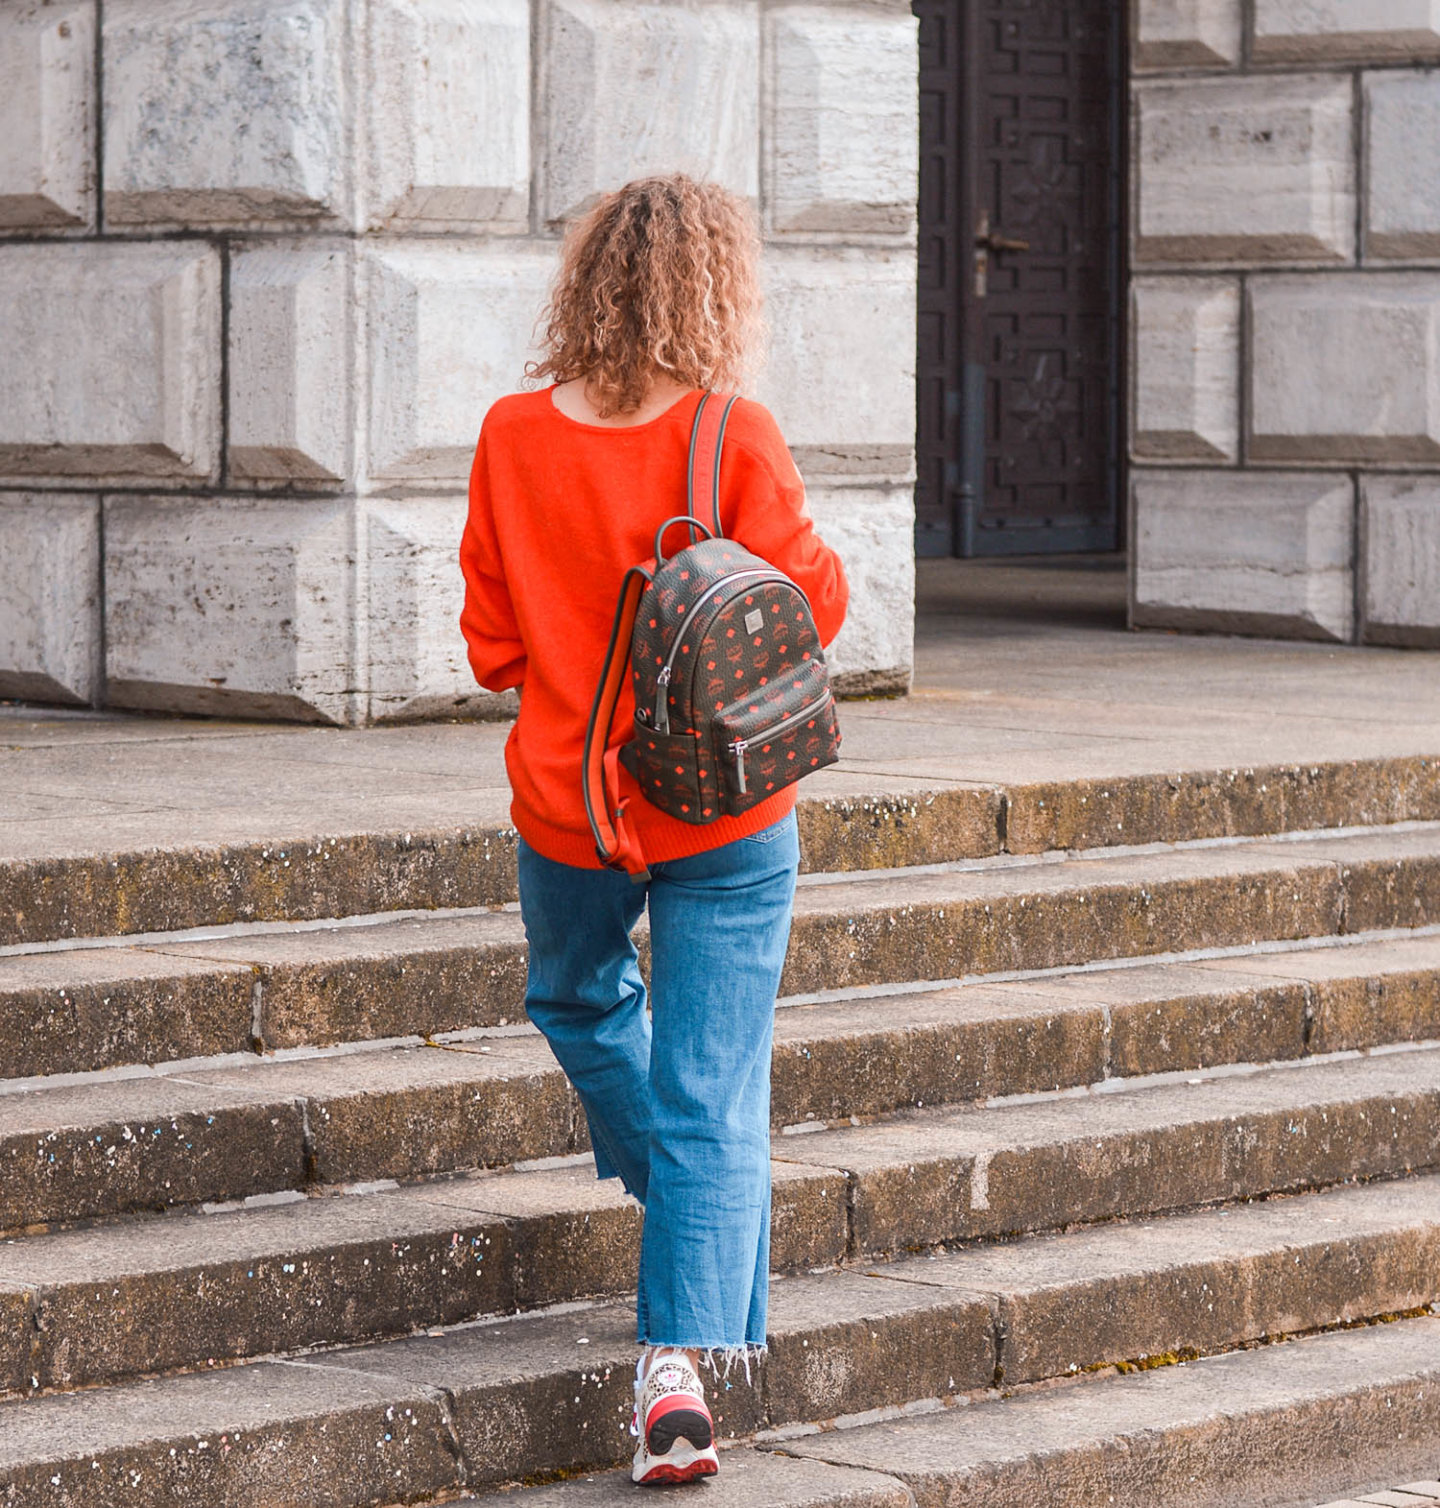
(1284, 1426)
(750, 1477)
(998, 917)
(1280, 1426)
(228, 1129)
(95, 1303)
(87, 1010)
(116, 1145)
(82, 1009)
(1406, 1495)
(952, 1175)
(138, 874)
(90, 1304)
(874, 1055)
(506, 1400)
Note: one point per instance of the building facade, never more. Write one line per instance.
(1285, 318)
(264, 264)
(268, 261)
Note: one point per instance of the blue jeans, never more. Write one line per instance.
(678, 1099)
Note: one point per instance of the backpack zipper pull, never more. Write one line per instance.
(738, 748)
(662, 702)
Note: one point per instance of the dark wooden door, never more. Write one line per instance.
(1018, 371)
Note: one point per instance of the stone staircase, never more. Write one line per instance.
(1102, 1174)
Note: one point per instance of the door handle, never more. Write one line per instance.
(988, 242)
(1001, 243)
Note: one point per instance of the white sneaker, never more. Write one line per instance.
(677, 1435)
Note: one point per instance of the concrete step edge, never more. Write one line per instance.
(283, 875)
(872, 1054)
(550, 1392)
(1306, 997)
(1150, 1454)
(1287, 1426)
(339, 1270)
(134, 1142)
(86, 1009)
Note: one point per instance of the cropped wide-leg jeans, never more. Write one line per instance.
(677, 1096)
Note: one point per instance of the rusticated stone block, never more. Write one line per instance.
(289, 357)
(450, 332)
(1376, 338)
(229, 606)
(49, 596)
(449, 104)
(224, 112)
(824, 306)
(638, 86)
(1187, 369)
(1401, 532)
(1187, 33)
(1245, 170)
(844, 117)
(1245, 553)
(120, 371)
(1402, 160)
(47, 124)
(1303, 30)
(417, 656)
(873, 528)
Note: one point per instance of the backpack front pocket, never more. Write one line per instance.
(674, 773)
(771, 738)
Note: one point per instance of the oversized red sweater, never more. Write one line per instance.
(559, 510)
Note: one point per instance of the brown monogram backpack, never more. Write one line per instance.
(732, 697)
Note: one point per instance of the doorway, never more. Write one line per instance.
(1021, 277)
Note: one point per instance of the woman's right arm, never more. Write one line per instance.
(492, 633)
(763, 507)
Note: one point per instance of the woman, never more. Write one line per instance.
(656, 300)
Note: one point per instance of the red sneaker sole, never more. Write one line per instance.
(667, 1473)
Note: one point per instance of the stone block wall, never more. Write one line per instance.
(1285, 318)
(265, 263)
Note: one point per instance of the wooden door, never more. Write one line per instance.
(1021, 275)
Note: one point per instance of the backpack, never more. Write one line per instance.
(732, 696)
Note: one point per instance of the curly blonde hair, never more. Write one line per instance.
(661, 276)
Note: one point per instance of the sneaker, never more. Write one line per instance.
(677, 1435)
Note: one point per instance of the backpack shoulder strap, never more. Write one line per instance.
(707, 437)
(614, 843)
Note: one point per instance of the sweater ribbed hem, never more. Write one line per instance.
(661, 837)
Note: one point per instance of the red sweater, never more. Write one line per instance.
(559, 511)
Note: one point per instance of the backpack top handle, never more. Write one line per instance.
(707, 437)
(691, 523)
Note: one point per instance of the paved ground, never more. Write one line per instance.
(1411, 1495)
(1024, 672)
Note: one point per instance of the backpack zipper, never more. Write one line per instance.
(662, 680)
(739, 746)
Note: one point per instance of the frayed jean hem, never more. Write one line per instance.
(720, 1361)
